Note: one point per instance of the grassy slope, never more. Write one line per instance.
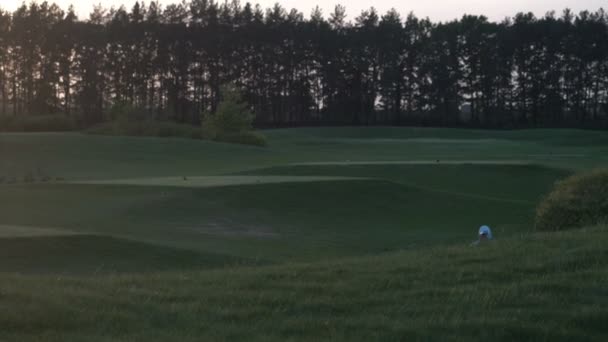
(94, 255)
(74, 156)
(277, 221)
(534, 288)
(77, 156)
(566, 137)
(544, 287)
(294, 221)
(510, 183)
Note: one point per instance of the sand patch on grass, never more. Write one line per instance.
(215, 181)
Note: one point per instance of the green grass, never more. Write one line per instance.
(214, 181)
(326, 234)
(298, 221)
(8, 231)
(566, 137)
(510, 183)
(78, 156)
(99, 255)
(534, 288)
(395, 206)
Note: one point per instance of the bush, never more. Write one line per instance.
(244, 138)
(232, 122)
(37, 123)
(128, 120)
(578, 201)
(232, 116)
(147, 129)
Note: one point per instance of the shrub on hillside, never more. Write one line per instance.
(128, 120)
(37, 123)
(577, 201)
(232, 122)
(147, 129)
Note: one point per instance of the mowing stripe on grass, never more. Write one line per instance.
(549, 155)
(12, 231)
(416, 162)
(429, 140)
(215, 181)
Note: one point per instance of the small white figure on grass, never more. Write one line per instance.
(485, 234)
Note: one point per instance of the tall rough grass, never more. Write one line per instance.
(547, 287)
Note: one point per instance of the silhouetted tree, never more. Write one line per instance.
(378, 69)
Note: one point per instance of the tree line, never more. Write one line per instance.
(292, 69)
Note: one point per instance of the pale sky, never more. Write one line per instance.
(434, 9)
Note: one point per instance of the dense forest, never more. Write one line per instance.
(295, 69)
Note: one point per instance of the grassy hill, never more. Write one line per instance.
(79, 156)
(326, 234)
(400, 207)
(441, 196)
(539, 287)
(99, 255)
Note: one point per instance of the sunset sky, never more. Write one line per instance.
(435, 9)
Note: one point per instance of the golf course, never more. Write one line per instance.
(348, 234)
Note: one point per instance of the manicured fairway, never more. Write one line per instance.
(313, 193)
(27, 231)
(416, 162)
